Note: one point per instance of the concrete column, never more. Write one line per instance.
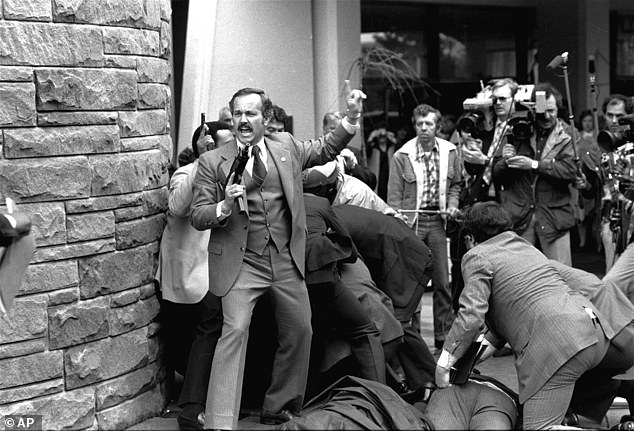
(337, 45)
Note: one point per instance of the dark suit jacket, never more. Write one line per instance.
(400, 263)
(228, 239)
(523, 299)
(327, 244)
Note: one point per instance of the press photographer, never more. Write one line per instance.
(536, 168)
(617, 144)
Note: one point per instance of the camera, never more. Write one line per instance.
(617, 136)
(473, 119)
(521, 122)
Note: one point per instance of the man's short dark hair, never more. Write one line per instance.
(484, 220)
(550, 91)
(279, 114)
(267, 105)
(614, 99)
(331, 116)
(424, 109)
(213, 127)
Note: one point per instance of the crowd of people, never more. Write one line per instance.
(343, 251)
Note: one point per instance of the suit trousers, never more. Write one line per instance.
(621, 274)
(547, 407)
(432, 231)
(273, 272)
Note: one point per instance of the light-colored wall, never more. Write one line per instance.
(298, 51)
(268, 45)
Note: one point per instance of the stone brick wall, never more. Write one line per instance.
(85, 146)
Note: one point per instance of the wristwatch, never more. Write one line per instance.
(534, 164)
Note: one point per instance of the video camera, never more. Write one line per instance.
(521, 122)
(473, 119)
(617, 136)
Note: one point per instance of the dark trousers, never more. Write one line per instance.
(415, 358)
(335, 307)
(192, 331)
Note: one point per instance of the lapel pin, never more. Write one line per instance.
(283, 159)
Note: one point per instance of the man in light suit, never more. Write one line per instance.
(259, 247)
(555, 333)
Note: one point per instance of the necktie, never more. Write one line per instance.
(259, 170)
(495, 144)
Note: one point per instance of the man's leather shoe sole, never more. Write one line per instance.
(270, 418)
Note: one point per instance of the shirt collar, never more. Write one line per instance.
(259, 144)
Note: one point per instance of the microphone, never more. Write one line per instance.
(239, 163)
(592, 77)
(558, 61)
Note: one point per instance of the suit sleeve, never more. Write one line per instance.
(208, 191)
(474, 304)
(181, 191)
(323, 149)
(579, 280)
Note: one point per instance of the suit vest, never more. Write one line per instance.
(269, 216)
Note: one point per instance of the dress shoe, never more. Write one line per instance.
(187, 423)
(270, 418)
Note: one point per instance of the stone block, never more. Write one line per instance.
(76, 118)
(18, 103)
(147, 291)
(166, 9)
(130, 41)
(142, 231)
(61, 141)
(25, 320)
(13, 395)
(32, 44)
(67, 410)
(142, 123)
(45, 180)
(115, 391)
(49, 276)
(124, 298)
(133, 316)
(63, 296)
(166, 147)
(30, 369)
(126, 173)
(122, 13)
(114, 272)
(104, 359)
(166, 40)
(61, 252)
(140, 144)
(131, 213)
(87, 226)
(32, 10)
(103, 203)
(121, 61)
(78, 323)
(85, 89)
(153, 70)
(23, 348)
(47, 222)
(126, 414)
(155, 201)
(16, 74)
(152, 96)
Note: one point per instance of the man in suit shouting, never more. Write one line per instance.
(258, 247)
